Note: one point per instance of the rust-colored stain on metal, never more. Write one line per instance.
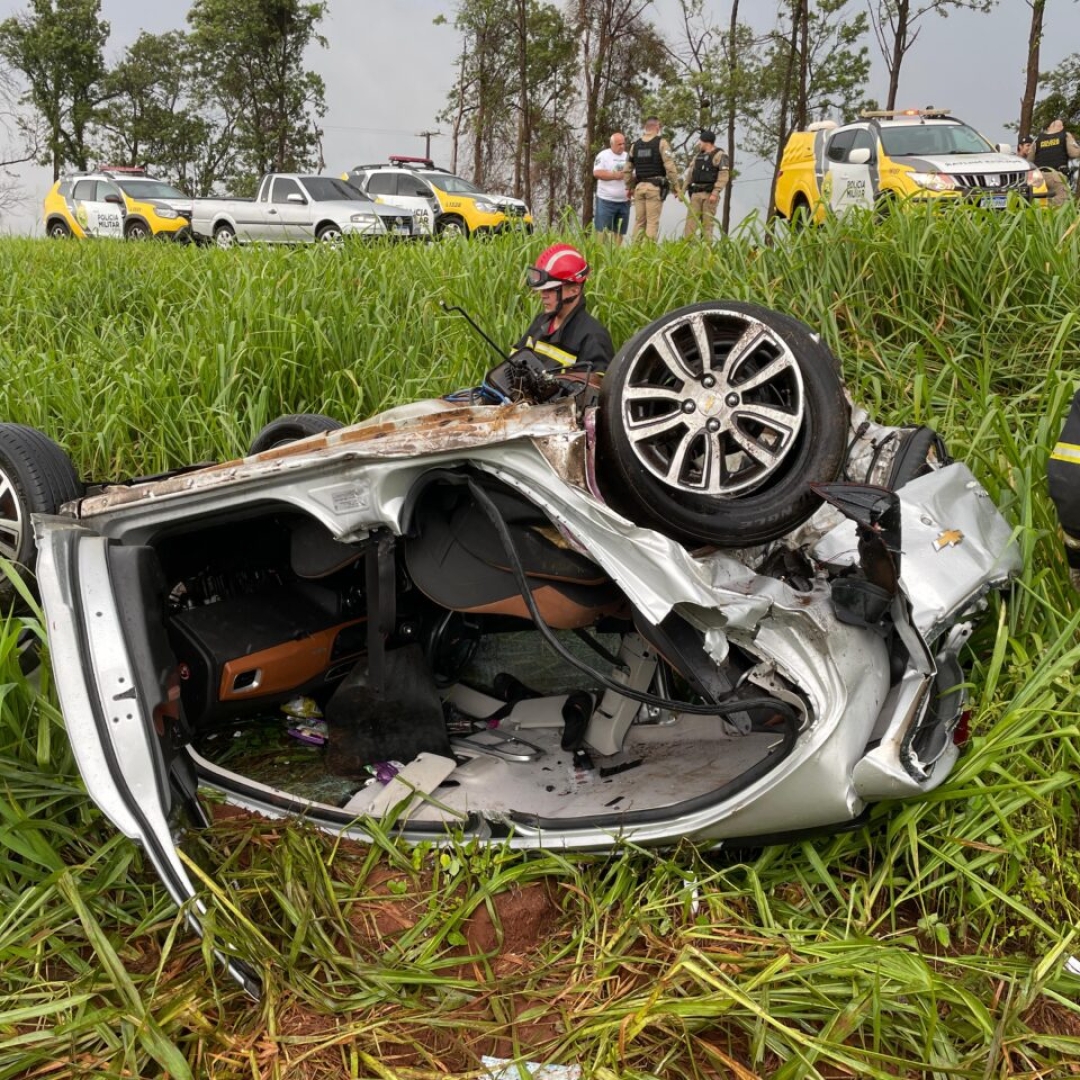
(412, 431)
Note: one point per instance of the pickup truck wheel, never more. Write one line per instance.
(451, 225)
(36, 477)
(225, 236)
(716, 419)
(800, 213)
(287, 429)
(58, 230)
(330, 234)
(137, 230)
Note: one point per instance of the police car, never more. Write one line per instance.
(445, 204)
(891, 156)
(119, 202)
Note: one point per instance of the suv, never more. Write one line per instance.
(449, 204)
(117, 202)
(884, 157)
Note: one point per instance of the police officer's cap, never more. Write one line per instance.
(708, 135)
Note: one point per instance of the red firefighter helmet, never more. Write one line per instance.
(560, 264)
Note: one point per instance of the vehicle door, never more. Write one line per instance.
(118, 683)
(289, 213)
(850, 153)
(408, 191)
(99, 208)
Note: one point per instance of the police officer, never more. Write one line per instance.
(1051, 152)
(564, 334)
(707, 176)
(650, 173)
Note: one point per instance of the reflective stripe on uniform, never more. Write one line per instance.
(1069, 452)
(552, 352)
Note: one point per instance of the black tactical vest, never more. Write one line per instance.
(647, 160)
(1050, 151)
(703, 178)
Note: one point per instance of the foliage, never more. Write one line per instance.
(249, 61)
(151, 116)
(58, 48)
(1061, 96)
(896, 29)
(929, 943)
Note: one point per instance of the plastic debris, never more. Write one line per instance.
(312, 732)
(508, 1069)
(303, 708)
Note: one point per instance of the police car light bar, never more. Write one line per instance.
(882, 114)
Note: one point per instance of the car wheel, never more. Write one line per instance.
(801, 215)
(137, 230)
(450, 225)
(36, 477)
(225, 236)
(57, 230)
(330, 234)
(716, 419)
(287, 429)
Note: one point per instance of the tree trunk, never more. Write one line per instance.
(785, 100)
(523, 158)
(1031, 86)
(732, 105)
(899, 48)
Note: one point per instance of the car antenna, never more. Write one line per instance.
(468, 318)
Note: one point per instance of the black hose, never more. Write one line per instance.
(714, 709)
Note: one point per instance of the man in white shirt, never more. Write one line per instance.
(612, 199)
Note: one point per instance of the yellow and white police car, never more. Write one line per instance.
(123, 203)
(886, 158)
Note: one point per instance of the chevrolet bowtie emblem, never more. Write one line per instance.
(948, 538)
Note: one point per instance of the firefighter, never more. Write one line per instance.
(1063, 474)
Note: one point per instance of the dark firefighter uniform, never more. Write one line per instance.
(1063, 474)
(580, 344)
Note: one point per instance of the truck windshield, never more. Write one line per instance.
(150, 189)
(920, 140)
(331, 189)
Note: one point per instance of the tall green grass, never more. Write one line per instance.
(929, 943)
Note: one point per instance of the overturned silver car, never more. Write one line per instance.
(718, 605)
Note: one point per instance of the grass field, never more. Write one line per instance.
(928, 944)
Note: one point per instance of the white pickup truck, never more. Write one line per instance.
(292, 208)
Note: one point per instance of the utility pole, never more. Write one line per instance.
(426, 136)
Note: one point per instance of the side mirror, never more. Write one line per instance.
(115, 199)
(296, 197)
(859, 156)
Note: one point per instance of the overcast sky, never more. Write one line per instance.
(388, 69)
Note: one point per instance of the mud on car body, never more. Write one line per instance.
(116, 202)
(719, 606)
(887, 158)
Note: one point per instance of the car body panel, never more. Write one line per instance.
(806, 712)
(107, 202)
(817, 171)
(288, 210)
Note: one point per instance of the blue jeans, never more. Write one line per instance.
(611, 216)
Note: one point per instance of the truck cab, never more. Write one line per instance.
(889, 157)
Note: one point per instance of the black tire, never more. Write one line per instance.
(225, 236)
(450, 225)
(36, 477)
(58, 230)
(137, 230)
(801, 215)
(287, 429)
(734, 471)
(330, 234)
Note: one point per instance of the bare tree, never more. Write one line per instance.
(895, 28)
(1031, 83)
(20, 142)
